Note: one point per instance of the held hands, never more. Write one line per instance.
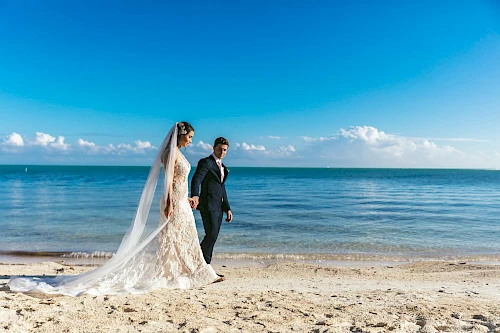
(193, 202)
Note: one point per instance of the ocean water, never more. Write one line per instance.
(317, 214)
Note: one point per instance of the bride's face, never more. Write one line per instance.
(186, 139)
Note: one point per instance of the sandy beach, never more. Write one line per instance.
(433, 296)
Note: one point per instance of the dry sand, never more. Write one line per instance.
(278, 297)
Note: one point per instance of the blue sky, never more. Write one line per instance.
(289, 83)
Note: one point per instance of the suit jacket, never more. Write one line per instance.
(213, 195)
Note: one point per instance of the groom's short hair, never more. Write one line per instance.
(221, 141)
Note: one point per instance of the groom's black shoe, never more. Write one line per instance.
(220, 275)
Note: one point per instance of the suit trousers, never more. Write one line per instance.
(212, 221)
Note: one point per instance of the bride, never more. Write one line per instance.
(167, 255)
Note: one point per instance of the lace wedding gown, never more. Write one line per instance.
(150, 256)
(180, 254)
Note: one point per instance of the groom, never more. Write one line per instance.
(211, 174)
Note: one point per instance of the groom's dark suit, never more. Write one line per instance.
(213, 200)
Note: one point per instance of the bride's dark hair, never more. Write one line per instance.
(183, 128)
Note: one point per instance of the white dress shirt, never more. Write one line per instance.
(219, 163)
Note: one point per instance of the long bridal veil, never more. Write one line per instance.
(136, 266)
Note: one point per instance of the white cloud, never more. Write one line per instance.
(59, 143)
(44, 143)
(123, 148)
(370, 135)
(237, 150)
(13, 144)
(143, 145)
(43, 139)
(311, 139)
(357, 146)
(255, 154)
(273, 137)
(366, 146)
(244, 153)
(252, 147)
(14, 139)
(83, 143)
(204, 146)
(140, 147)
(288, 148)
(200, 149)
(88, 146)
(108, 148)
(48, 141)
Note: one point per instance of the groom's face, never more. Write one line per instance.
(220, 151)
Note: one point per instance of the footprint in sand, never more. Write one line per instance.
(129, 310)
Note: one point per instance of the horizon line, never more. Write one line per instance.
(255, 167)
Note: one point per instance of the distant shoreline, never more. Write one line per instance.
(247, 167)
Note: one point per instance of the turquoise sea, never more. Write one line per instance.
(301, 213)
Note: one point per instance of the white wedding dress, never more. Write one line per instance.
(180, 256)
(150, 256)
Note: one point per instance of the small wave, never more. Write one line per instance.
(263, 256)
(309, 256)
(58, 254)
(33, 253)
(322, 257)
(88, 255)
